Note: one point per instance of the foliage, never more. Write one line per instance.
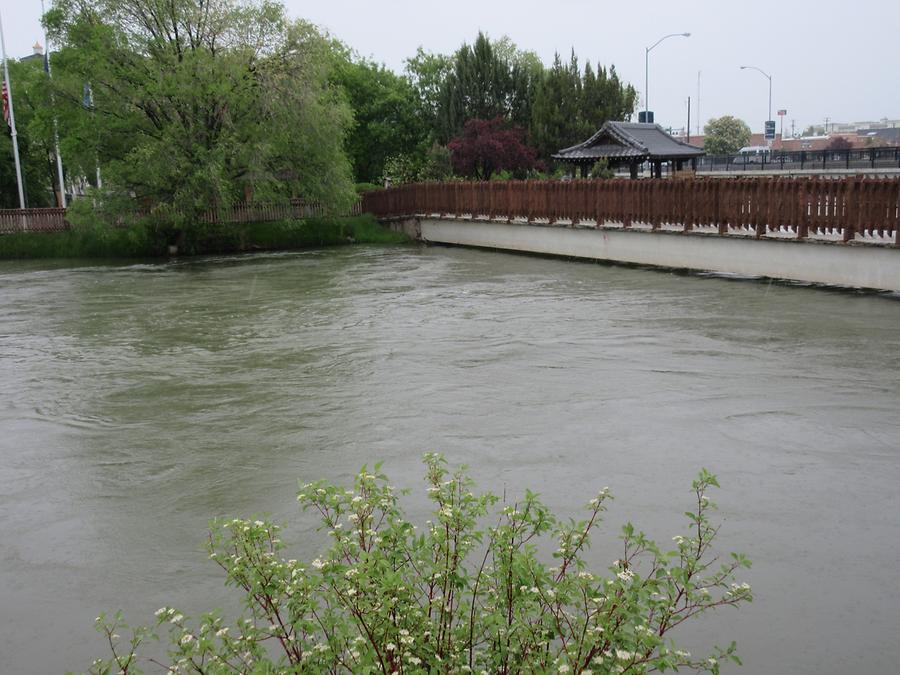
(315, 232)
(427, 74)
(438, 164)
(569, 107)
(401, 168)
(31, 95)
(601, 169)
(559, 106)
(199, 103)
(469, 593)
(385, 117)
(486, 146)
(839, 143)
(725, 135)
(99, 239)
(485, 83)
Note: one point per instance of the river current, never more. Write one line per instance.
(138, 401)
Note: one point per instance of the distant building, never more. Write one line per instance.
(37, 55)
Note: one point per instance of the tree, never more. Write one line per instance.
(385, 117)
(438, 164)
(558, 106)
(471, 591)
(486, 146)
(31, 101)
(487, 80)
(427, 74)
(840, 143)
(569, 107)
(197, 103)
(725, 135)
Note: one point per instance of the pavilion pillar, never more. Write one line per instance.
(657, 168)
(633, 169)
(584, 170)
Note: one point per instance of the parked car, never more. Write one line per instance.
(753, 154)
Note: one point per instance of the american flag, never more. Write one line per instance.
(5, 104)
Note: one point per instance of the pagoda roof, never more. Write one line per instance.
(633, 141)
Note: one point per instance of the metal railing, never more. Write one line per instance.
(859, 159)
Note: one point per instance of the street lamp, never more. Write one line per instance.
(768, 77)
(647, 71)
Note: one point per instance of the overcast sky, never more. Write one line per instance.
(832, 59)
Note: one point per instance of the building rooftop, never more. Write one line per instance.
(633, 141)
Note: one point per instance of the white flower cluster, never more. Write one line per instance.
(625, 575)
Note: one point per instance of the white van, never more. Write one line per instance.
(753, 154)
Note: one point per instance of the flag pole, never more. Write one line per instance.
(12, 117)
(59, 168)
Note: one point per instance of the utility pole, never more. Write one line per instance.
(698, 102)
(688, 131)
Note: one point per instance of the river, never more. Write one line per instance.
(138, 401)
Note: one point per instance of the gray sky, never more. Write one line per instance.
(827, 58)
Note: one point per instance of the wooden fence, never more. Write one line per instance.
(32, 220)
(54, 219)
(843, 209)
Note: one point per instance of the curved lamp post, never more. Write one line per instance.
(647, 69)
(769, 78)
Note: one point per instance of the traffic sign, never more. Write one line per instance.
(770, 130)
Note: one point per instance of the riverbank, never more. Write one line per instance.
(145, 242)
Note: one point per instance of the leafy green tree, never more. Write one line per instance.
(427, 73)
(401, 168)
(725, 135)
(437, 165)
(199, 103)
(31, 103)
(385, 117)
(469, 592)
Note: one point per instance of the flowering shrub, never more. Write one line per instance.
(469, 593)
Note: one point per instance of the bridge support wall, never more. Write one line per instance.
(847, 265)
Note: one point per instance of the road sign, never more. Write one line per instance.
(770, 130)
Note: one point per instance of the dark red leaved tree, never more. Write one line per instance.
(840, 143)
(488, 146)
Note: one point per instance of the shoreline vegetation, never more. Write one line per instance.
(470, 592)
(145, 241)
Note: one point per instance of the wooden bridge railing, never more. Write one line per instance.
(843, 209)
(54, 219)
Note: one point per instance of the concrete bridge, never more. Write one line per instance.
(835, 232)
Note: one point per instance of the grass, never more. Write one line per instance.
(143, 242)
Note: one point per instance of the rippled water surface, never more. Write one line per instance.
(139, 401)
